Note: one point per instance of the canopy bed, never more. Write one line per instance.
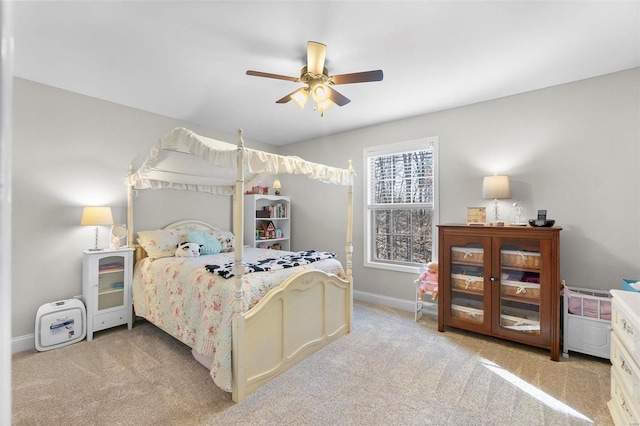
(249, 328)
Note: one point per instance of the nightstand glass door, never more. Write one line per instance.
(106, 288)
(111, 286)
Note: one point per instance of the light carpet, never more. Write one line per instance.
(389, 371)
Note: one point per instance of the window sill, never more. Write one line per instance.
(392, 267)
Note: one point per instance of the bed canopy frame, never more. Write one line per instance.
(184, 160)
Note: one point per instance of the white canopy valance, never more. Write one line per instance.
(182, 159)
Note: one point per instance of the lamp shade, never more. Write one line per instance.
(276, 184)
(496, 187)
(95, 216)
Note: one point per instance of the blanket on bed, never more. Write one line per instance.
(272, 264)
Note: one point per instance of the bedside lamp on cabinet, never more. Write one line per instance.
(96, 216)
(496, 188)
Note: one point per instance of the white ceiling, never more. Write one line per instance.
(187, 60)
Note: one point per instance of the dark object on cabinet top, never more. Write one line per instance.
(539, 222)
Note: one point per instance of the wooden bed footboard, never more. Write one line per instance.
(304, 314)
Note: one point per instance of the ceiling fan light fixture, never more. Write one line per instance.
(300, 96)
(324, 105)
(320, 93)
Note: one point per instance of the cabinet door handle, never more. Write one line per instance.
(493, 279)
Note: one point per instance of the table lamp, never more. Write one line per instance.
(496, 188)
(276, 187)
(96, 216)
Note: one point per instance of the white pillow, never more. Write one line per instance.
(159, 243)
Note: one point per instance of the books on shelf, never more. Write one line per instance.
(275, 211)
(278, 210)
(110, 266)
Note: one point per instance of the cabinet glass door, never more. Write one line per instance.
(467, 277)
(111, 283)
(520, 279)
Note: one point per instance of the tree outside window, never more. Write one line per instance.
(400, 205)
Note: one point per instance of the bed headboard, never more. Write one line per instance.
(181, 225)
(191, 225)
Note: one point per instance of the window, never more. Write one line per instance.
(401, 205)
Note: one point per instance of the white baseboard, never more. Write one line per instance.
(392, 302)
(27, 342)
(23, 343)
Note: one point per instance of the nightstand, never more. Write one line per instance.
(106, 288)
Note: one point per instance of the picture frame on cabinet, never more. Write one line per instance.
(476, 215)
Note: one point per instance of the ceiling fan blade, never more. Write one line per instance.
(316, 53)
(357, 77)
(269, 75)
(337, 98)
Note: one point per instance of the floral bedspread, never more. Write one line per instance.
(181, 297)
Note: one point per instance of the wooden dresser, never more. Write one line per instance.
(625, 358)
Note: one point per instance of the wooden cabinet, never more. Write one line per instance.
(501, 281)
(267, 221)
(106, 288)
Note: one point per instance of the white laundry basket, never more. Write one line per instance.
(60, 323)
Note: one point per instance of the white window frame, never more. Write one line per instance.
(390, 149)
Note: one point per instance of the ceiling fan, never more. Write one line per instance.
(318, 80)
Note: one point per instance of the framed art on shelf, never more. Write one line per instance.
(476, 215)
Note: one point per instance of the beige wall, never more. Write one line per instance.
(70, 151)
(572, 149)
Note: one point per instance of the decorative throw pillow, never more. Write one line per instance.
(209, 244)
(226, 238)
(159, 243)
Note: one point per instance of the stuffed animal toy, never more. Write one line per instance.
(227, 244)
(188, 250)
(428, 281)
